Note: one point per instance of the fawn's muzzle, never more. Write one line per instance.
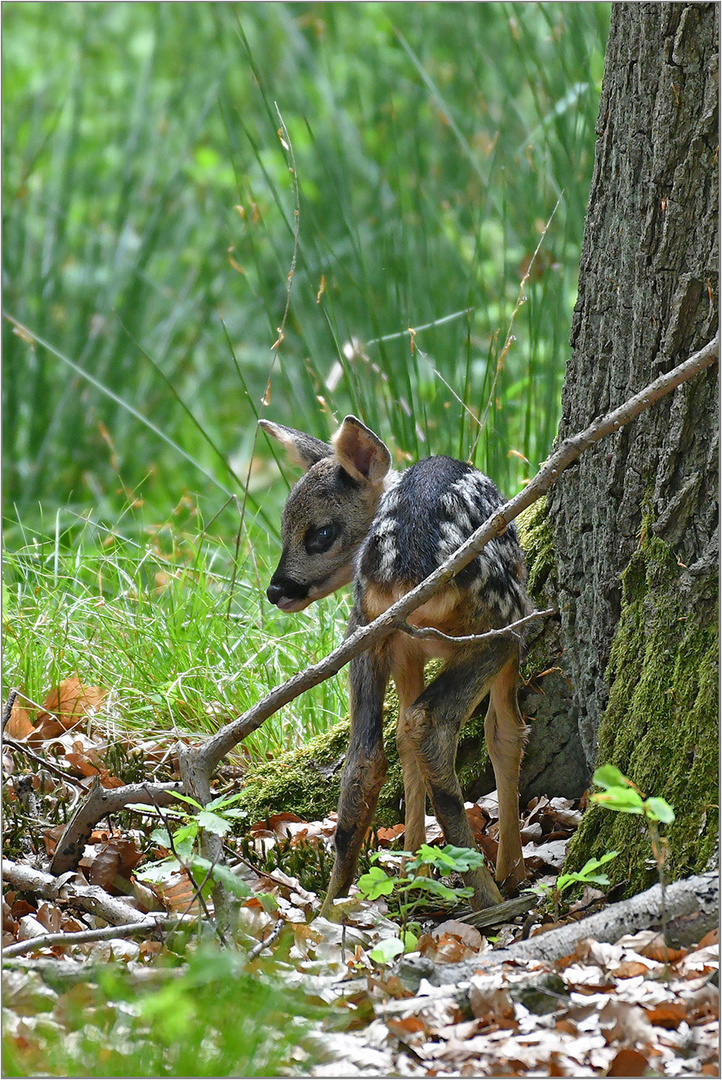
(288, 595)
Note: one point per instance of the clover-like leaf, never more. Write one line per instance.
(387, 950)
(659, 810)
(376, 883)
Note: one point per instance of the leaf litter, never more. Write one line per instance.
(632, 1008)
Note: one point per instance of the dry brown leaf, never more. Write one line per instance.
(178, 894)
(627, 969)
(71, 701)
(279, 823)
(19, 725)
(407, 1028)
(489, 847)
(628, 1062)
(48, 728)
(107, 780)
(478, 819)
(81, 764)
(449, 950)
(712, 938)
(51, 837)
(150, 948)
(50, 916)
(105, 868)
(21, 908)
(488, 1000)
(699, 961)
(667, 1014)
(10, 925)
(625, 1023)
(469, 935)
(386, 836)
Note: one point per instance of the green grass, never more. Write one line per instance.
(150, 224)
(150, 622)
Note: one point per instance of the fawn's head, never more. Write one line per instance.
(328, 512)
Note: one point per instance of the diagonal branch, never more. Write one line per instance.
(216, 748)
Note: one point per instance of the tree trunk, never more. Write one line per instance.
(634, 524)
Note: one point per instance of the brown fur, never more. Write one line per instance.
(343, 486)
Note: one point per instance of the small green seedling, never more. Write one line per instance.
(409, 893)
(586, 876)
(622, 795)
(185, 840)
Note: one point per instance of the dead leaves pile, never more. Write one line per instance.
(606, 1010)
(618, 1010)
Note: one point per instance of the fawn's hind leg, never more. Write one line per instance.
(434, 722)
(505, 733)
(408, 674)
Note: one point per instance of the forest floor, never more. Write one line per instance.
(340, 999)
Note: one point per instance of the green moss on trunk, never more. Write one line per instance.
(660, 726)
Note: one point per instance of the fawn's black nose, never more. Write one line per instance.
(274, 593)
(287, 594)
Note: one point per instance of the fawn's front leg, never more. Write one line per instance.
(434, 723)
(365, 768)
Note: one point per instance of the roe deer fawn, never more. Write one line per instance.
(352, 516)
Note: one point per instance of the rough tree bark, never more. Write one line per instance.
(634, 525)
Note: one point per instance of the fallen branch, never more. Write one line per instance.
(90, 898)
(166, 923)
(692, 910)
(102, 801)
(197, 763)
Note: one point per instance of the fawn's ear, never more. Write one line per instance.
(301, 449)
(360, 452)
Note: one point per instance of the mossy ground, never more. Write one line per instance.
(660, 726)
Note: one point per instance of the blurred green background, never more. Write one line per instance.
(149, 219)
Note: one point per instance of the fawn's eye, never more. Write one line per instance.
(320, 539)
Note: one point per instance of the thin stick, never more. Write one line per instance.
(7, 711)
(273, 936)
(22, 749)
(81, 937)
(432, 632)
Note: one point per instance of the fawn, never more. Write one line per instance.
(352, 517)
